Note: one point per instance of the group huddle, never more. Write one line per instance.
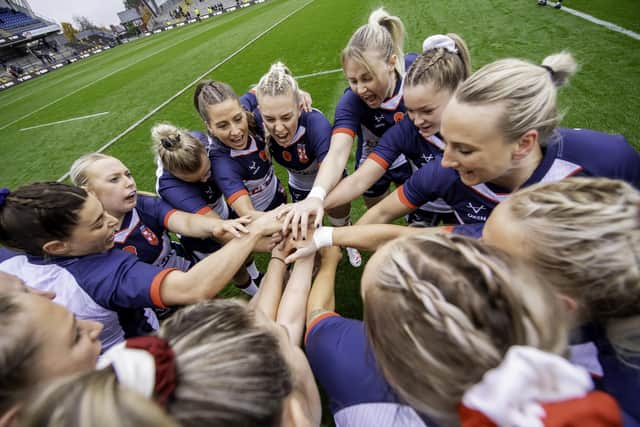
(510, 298)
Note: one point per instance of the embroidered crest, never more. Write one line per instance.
(263, 156)
(131, 249)
(149, 235)
(286, 156)
(397, 117)
(302, 153)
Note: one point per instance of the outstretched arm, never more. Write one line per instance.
(355, 184)
(385, 211)
(291, 313)
(206, 226)
(322, 296)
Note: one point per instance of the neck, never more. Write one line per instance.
(521, 171)
(392, 85)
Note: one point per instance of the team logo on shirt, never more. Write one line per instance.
(131, 249)
(428, 158)
(302, 153)
(254, 167)
(379, 118)
(476, 212)
(397, 117)
(287, 156)
(149, 235)
(263, 156)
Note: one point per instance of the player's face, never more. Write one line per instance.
(425, 104)
(502, 231)
(476, 147)
(280, 115)
(94, 232)
(228, 123)
(372, 86)
(66, 345)
(114, 186)
(303, 381)
(202, 174)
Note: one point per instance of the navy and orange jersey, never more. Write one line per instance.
(404, 139)
(308, 148)
(572, 152)
(245, 172)
(353, 117)
(192, 197)
(143, 230)
(112, 287)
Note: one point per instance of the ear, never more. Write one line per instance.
(525, 144)
(55, 247)
(570, 304)
(393, 60)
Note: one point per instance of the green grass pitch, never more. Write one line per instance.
(132, 80)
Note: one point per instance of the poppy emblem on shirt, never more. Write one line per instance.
(131, 249)
(263, 156)
(286, 156)
(149, 235)
(302, 153)
(397, 117)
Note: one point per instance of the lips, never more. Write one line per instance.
(131, 197)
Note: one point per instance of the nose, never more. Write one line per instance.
(361, 88)
(417, 118)
(111, 221)
(448, 160)
(130, 181)
(93, 328)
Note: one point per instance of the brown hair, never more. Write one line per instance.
(177, 149)
(35, 214)
(210, 92)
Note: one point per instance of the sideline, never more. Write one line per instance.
(609, 25)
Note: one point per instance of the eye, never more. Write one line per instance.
(128, 174)
(114, 179)
(269, 119)
(464, 151)
(78, 335)
(221, 125)
(238, 118)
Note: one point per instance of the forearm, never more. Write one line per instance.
(354, 185)
(270, 292)
(192, 225)
(322, 296)
(243, 206)
(209, 276)
(334, 163)
(291, 312)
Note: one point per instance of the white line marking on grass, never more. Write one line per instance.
(190, 85)
(319, 73)
(65, 121)
(102, 78)
(609, 25)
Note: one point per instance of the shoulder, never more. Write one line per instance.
(409, 59)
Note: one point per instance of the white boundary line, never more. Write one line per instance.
(65, 121)
(190, 85)
(104, 77)
(609, 25)
(319, 73)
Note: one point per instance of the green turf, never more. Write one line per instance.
(131, 80)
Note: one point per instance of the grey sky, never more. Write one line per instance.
(101, 12)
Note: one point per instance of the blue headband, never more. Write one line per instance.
(4, 192)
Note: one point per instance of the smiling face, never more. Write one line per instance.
(113, 184)
(66, 345)
(425, 104)
(280, 115)
(94, 232)
(374, 86)
(227, 121)
(476, 147)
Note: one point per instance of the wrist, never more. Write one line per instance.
(323, 237)
(317, 192)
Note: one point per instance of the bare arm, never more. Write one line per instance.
(385, 211)
(291, 312)
(208, 277)
(267, 299)
(205, 226)
(322, 296)
(243, 207)
(355, 184)
(328, 176)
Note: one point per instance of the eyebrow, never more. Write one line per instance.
(74, 327)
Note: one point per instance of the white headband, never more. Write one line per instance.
(439, 41)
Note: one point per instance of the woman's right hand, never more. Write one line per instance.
(298, 215)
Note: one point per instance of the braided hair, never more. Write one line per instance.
(40, 212)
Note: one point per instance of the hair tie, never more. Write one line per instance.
(4, 192)
(170, 142)
(145, 364)
(439, 41)
(550, 70)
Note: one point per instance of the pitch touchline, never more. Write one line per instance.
(609, 25)
(104, 77)
(319, 73)
(65, 121)
(190, 85)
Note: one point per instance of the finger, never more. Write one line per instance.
(244, 219)
(283, 210)
(295, 225)
(287, 220)
(241, 228)
(303, 225)
(319, 214)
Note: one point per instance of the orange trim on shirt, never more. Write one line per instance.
(154, 291)
(167, 216)
(235, 196)
(203, 211)
(448, 228)
(379, 160)
(403, 198)
(317, 320)
(348, 131)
